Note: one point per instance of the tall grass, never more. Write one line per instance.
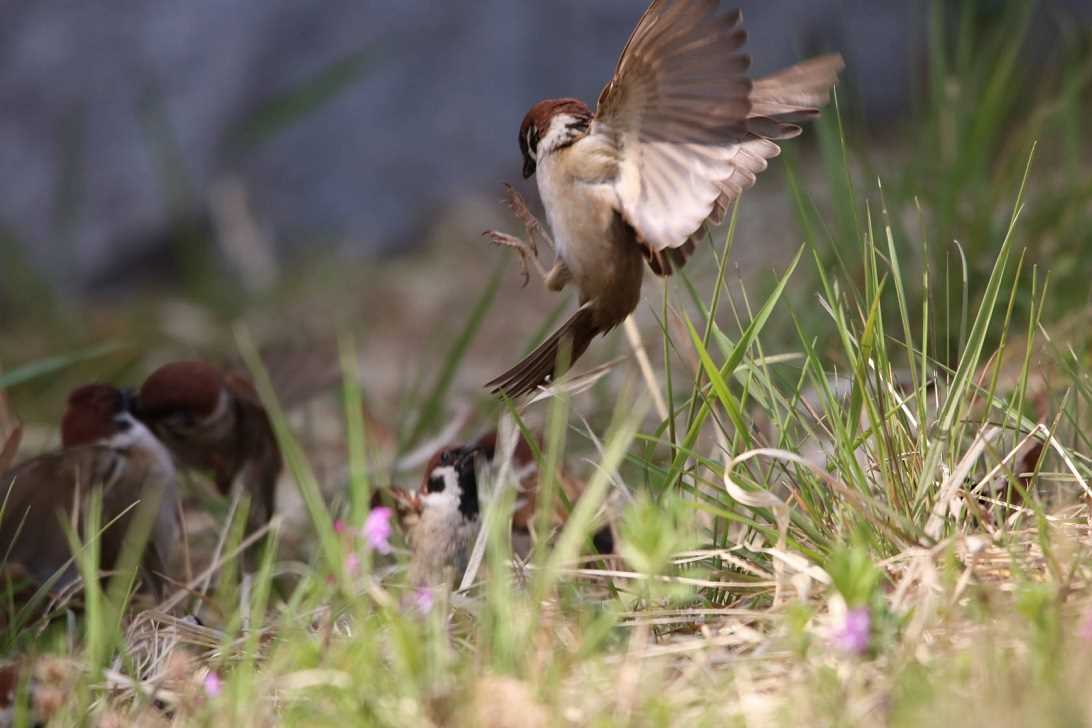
(801, 483)
(894, 430)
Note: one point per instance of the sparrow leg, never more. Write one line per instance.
(526, 252)
(558, 276)
(531, 224)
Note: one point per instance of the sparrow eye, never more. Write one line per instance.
(180, 421)
(436, 484)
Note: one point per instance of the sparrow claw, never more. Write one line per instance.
(519, 208)
(525, 251)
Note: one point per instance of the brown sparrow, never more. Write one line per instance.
(441, 518)
(103, 446)
(679, 133)
(214, 422)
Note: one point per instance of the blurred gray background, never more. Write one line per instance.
(281, 127)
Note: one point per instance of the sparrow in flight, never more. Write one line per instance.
(678, 134)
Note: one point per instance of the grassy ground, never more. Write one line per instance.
(853, 492)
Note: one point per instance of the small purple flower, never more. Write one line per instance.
(352, 564)
(422, 600)
(213, 685)
(853, 636)
(1084, 631)
(339, 526)
(377, 529)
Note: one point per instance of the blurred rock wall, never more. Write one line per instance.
(346, 123)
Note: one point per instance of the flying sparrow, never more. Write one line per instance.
(214, 422)
(441, 518)
(679, 133)
(103, 446)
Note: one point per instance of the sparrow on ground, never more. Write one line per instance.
(441, 518)
(526, 471)
(214, 422)
(678, 134)
(103, 446)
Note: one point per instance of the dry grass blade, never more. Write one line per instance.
(10, 450)
(573, 385)
(217, 564)
(156, 625)
(507, 438)
(1018, 451)
(633, 335)
(307, 679)
(947, 493)
(662, 578)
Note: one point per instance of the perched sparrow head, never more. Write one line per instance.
(214, 422)
(451, 482)
(184, 397)
(550, 125)
(104, 445)
(95, 412)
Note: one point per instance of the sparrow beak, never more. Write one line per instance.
(528, 167)
(129, 401)
(406, 501)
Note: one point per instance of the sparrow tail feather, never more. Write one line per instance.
(795, 94)
(537, 368)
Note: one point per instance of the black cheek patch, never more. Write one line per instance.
(436, 484)
(468, 482)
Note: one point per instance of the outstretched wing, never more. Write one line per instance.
(690, 129)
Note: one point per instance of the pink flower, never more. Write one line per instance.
(377, 529)
(422, 600)
(1084, 631)
(339, 526)
(853, 636)
(352, 564)
(213, 686)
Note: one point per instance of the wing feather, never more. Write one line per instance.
(691, 130)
